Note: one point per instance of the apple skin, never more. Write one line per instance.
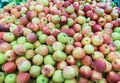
(71, 81)
(77, 37)
(116, 64)
(10, 78)
(9, 67)
(85, 71)
(76, 27)
(37, 59)
(8, 37)
(107, 38)
(24, 65)
(43, 50)
(86, 60)
(2, 77)
(41, 79)
(20, 49)
(57, 46)
(99, 65)
(69, 48)
(104, 48)
(50, 40)
(70, 60)
(61, 65)
(108, 66)
(68, 72)
(31, 37)
(86, 40)
(23, 78)
(30, 54)
(48, 70)
(19, 59)
(112, 77)
(58, 74)
(49, 60)
(78, 53)
(62, 37)
(97, 40)
(42, 38)
(1, 35)
(89, 49)
(26, 31)
(96, 75)
(82, 80)
(4, 27)
(23, 21)
(35, 71)
(10, 55)
(18, 32)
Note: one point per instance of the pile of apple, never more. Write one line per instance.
(60, 41)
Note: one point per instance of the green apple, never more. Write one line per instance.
(81, 19)
(28, 45)
(59, 56)
(39, 33)
(12, 27)
(42, 38)
(57, 46)
(62, 37)
(35, 20)
(70, 22)
(70, 81)
(2, 59)
(70, 40)
(117, 43)
(24, 65)
(10, 78)
(2, 77)
(13, 43)
(30, 54)
(117, 29)
(115, 36)
(70, 9)
(8, 36)
(42, 79)
(49, 60)
(45, 2)
(36, 44)
(37, 59)
(55, 19)
(21, 40)
(50, 49)
(68, 72)
(57, 76)
(35, 71)
(89, 49)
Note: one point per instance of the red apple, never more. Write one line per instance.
(69, 49)
(61, 65)
(50, 39)
(70, 60)
(87, 60)
(96, 75)
(5, 47)
(18, 32)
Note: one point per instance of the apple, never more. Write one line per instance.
(99, 65)
(85, 71)
(36, 44)
(116, 42)
(81, 19)
(70, 60)
(23, 20)
(50, 40)
(61, 65)
(55, 19)
(83, 80)
(101, 21)
(86, 60)
(108, 66)
(62, 37)
(21, 40)
(35, 71)
(113, 77)
(26, 31)
(19, 59)
(115, 64)
(115, 35)
(48, 70)
(37, 59)
(4, 27)
(18, 32)
(45, 3)
(30, 54)
(107, 39)
(42, 79)
(89, 49)
(104, 48)
(97, 55)
(33, 27)
(68, 72)
(31, 38)
(76, 70)
(69, 48)
(97, 40)
(66, 4)
(50, 49)
(39, 8)
(76, 27)
(23, 78)
(70, 9)
(58, 74)
(78, 53)
(70, 22)
(86, 40)
(71, 81)
(10, 55)
(24, 65)
(20, 49)
(97, 27)
(35, 20)
(10, 78)
(103, 80)
(77, 37)
(42, 38)
(59, 56)
(28, 46)
(8, 37)
(9, 67)
(57, 46)
(49, 60)
(2, 77)
(43, 50)
(96, 75)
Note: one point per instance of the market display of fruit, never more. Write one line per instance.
(60, 41)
